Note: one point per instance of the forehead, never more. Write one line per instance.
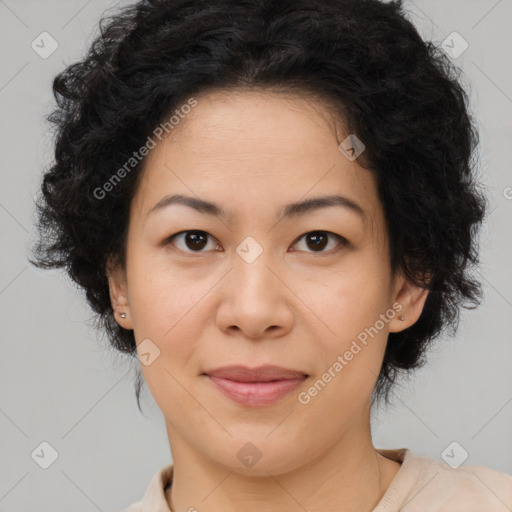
(240, 123)
(254, 148)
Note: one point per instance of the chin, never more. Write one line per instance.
(258, 455)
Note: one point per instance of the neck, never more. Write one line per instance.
(351, 477)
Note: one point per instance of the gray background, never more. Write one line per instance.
(60, 382)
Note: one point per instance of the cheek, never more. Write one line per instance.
(170, 323)
(161, 297)
(168, 317)
(352, 300)
(351, 358)
(351, 306)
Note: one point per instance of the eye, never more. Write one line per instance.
(319, 239)
(196, 240)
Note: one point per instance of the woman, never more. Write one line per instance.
(273, 205)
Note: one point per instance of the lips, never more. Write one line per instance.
(256, 387)
(261, 374)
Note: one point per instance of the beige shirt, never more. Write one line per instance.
(421, 484)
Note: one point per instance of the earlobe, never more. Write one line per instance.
(412, 299)
(118, 291)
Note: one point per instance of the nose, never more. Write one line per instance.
(256, 301)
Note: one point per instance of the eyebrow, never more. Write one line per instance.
(290, 210)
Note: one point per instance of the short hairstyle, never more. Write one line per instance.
(397, 93)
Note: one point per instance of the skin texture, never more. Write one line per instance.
(295, 306)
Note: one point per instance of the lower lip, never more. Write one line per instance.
(256, 393)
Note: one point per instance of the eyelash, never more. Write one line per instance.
(343, 242)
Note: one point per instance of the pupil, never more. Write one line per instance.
(319, 244)
(195, 237)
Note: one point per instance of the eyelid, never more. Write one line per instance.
(169, 240)
(342, 241)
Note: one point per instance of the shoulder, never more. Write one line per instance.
(467, 488)
(424, 484)
(135, 507)
(154, 497)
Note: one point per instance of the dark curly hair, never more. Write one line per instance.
(399, 94)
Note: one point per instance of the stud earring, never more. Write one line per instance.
(401, 318)
(122, 315)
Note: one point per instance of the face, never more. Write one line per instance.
(307, 289)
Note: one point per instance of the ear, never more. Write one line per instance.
(116, 275)
(411, 298)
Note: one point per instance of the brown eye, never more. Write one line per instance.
(191, 241)
(318, 240)
(196, 241)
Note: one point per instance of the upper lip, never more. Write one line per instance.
(260, 374)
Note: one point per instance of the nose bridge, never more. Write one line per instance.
(254, 299)
(251, 266)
